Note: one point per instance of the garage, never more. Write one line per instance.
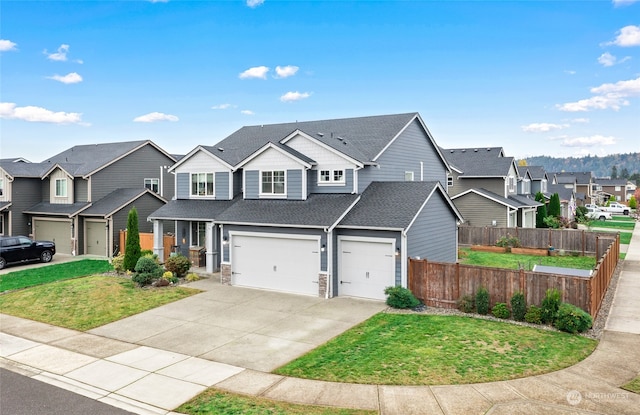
(366, 266)
(95, 238)
(58, 231)
(288, 263)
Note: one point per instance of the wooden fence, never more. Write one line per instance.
(440, 284)
(574, 240)
(146, 242)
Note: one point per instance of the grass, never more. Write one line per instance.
(633, 386)
(411, 349)
(514, 261)
(214, 401)
(612, 224)
(624, 218)
(89, 302)
(42, 275)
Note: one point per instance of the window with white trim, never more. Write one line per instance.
(327, 176)
(198, 233)
(543, 186)
(61, 187)
(408, 176)
(511, 183)
(449, 181)
(273, 182)
(152, 184)
(1, 187)
(202, 184)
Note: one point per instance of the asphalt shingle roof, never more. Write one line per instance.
(536, 172)
(361, 138)
(491, 195)
(60, 209)
(27, 170)
(611, 182)
(4, 205)
(319, 210)
(582, 177)
(481, 161)
(389, 205)
(524, 201)
(114, 201)
(186, 209)
(563, 192)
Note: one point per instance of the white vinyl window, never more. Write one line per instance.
(449, 181)
(202, 184)
(273, 182)
(511, 181)
(152, 184)
(408, 176)
(61, 187)
(198, 232)
(331, 176)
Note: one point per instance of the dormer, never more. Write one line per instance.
(201, 175)
(275, 171)
(61, 189)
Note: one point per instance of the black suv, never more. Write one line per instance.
(21, 248)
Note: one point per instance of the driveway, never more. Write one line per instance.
(244, 327)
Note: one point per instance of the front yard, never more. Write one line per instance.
(513, 261)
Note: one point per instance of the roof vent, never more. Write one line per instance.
(488, 149)
(339, 138)
(463, 150)
(321, 134)
(220, 149)
(475, 150)
(451, 151)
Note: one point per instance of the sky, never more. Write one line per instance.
(534, 77)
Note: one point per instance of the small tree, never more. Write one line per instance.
(541, 211)
(554, 205)
(612, 199)
(132, 248)
(633, 203)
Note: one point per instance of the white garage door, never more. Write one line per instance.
(282, 263)
(54, 230)
(366, 267)
(96, 238)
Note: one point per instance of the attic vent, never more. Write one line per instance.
(220, 149)
(451, 151)
(463, 150)
(488, 149)
(340, 138)
(475, 150)
(321, 134)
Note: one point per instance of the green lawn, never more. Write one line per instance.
(513, 261)
(42, 275)
(217, 402)
(624, 218)
(88, 302)
(633, 386)
(411, 349)
(612, 224)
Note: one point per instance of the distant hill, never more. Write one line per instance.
(599, 166)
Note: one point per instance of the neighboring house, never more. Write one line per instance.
(631, 190)
(580, 182)
(567, 196)
(611, 187)
(80, 198)
(483, 184)
(539, 179)
(330, 207)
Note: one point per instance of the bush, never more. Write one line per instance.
(533, 315)
(147, 270)
(192, 277)
(167, 275)
(146, 252)
(118, 263)
(550, 305)
(572, 319)
(178, 264)
(132, 245)
(508, 242)
(518, 306)
(466, 304)
(482, 301)
(501, 310)
(400, 297)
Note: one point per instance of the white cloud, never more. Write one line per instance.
(247, 112)
(255, 72)
(580, 120)
(570, 72)
(627, 36)
(155, 117)
(7, 45)
(70, 78)
(617, 3)
(594, 140)
(286, 71)
(294, 96)
(254, 3)
(9, 110)
(223, 107)
(60, 55)
(612, 96)
(607, 59)
(543, 127)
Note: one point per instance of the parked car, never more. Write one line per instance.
(21, 249)
(616, 207)
(591, 205)
(598, 214)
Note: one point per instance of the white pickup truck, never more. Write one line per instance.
(597, 214)
(616, 207)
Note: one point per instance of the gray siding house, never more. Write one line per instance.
(78, 198)
(325, 208)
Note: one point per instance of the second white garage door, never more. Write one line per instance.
(283, 263)
(58, 231)
(96, 238)
(366, 267)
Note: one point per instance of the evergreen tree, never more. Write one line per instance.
(624, 173)
(541, 211)
(554, 206)
(633, 203)
(132, 248)
(614, 172)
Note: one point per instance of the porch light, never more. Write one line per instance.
(397, 251)
(225, 240)
(323, 248)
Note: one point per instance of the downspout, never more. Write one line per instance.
(403, 259)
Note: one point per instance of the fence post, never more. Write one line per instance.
(597, 248)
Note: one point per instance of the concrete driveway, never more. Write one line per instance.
(244, 327)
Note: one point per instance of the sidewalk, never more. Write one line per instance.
(147, 380)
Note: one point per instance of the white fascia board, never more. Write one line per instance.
(485, 196)
(274, 147)
(321, 144)
(195, 151)
(48, 172)
(271, 225)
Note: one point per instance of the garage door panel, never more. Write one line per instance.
(366, 268)
(96, 238)
(56, 231)
(276, 263)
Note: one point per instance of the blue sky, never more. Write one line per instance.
(535, 77)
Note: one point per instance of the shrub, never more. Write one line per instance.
(132, 245)
(633, 203)
(508, 242)
(400, 297)
(550, 305)
(147, 271)
(118, 263)
(482, 301)
(501, 310)
(167, 275)
(466, 304)
(192, 276)
(533, 315)
(178, 264)
(518, 306)
(572, 319)
(146, 252)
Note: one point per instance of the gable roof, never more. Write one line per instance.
(116, 200)
(58, 209)
(582, 177)
(361, 138)
(282, 149)
(392, 205)
(537, 172)
(512, 203)
(563, 192)
(192, 209)
(611, 182)
(25, 170)
(479, 161)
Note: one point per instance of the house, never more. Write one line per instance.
(631, 190)
(80, 198)
(539, 179)
(606, 187)
(325, 208)
(483, 185)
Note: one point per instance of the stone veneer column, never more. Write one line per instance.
(225, 274)
(322, 285)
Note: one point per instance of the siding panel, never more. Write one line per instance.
(183, 183)
(294, 184)
(346, 188)
(252, 184)
(433, 235)
(222, 185)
